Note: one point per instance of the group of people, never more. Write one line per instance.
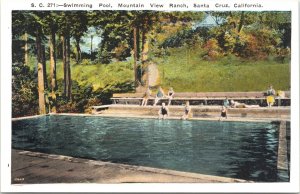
(164, 112)
(233, 104)
(159, 95)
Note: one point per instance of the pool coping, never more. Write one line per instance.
(229, 119)
(148, 171)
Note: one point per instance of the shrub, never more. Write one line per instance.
(212, 49)
(24, 91)
(91, 102)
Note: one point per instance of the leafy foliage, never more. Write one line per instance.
(24, 91)
(197, 36)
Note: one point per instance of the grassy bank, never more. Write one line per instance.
(187, 72)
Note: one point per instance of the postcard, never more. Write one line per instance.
(136, 96)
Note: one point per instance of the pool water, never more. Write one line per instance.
(244, 150)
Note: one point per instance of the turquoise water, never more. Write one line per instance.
(244, 150)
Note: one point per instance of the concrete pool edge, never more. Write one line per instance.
(230, 119)
(131, 173)
(27, 117)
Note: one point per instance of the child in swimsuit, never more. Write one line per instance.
(187, 110)
(163, 112)
(223, 113)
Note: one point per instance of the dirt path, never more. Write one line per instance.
(153, 74)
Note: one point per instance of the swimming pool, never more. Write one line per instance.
(244, 150)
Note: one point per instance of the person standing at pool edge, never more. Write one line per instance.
(163, 112)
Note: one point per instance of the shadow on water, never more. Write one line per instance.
(260, 152)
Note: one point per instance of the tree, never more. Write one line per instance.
(140, 21)
(65, 20)
(51, 27)
(26, 48)
(22, 30)
(38, 21)
(92, 47)
(41, 82)
(252, 34)
(135, 53)
(79, 21)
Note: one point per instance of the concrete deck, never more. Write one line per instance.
(199, 112)
(34, 168)
(261, 114)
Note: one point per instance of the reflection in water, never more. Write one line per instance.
(232, 149)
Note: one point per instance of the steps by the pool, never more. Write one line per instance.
(278, 113)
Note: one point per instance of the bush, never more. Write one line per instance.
(24, 91)
(66, 107)
(91, 102)
(85, 62)
(212, 49)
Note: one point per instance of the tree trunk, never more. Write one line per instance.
(138, 43)
(91, 47)
(145, 47)
(63, 42)
(241, 22)
(53, 70)
(78, 56)
(42, 107)
(135, 57)
(68, 69)
(26, 48)
(44, 66)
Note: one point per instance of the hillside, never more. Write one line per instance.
(185, 71)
